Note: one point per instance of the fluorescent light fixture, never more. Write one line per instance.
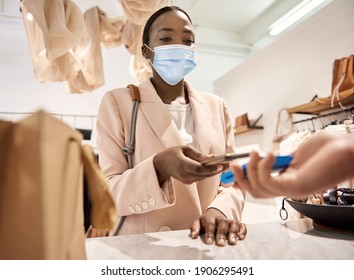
(293, 16)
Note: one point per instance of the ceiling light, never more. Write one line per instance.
(293, 16)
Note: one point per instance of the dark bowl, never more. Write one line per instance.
(330, 216)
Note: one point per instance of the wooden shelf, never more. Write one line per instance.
(248, 128)
(245, 128)
(323, 104)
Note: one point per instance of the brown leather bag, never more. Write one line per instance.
(342, 93)
(343, 80)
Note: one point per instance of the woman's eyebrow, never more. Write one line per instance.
(169, 29)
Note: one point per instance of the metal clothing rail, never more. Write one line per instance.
(338, 115)
(54, 114)
(87, 121)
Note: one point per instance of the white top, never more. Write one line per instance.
(182, 116)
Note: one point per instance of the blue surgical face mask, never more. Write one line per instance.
(173, 62)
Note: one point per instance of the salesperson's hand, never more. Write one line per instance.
(183, 164)
(218, 228)
(316, 166)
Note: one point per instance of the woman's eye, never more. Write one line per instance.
(189, 41)
(165, 39)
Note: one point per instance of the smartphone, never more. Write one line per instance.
(223, 159)
(281, 163)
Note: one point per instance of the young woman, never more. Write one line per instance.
(177, 127)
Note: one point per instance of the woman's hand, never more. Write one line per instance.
(183, 164)
(217, 227)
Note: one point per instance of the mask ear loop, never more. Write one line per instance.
(283, 213)
(146, 56)
(149, 49)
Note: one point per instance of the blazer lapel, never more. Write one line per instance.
(202, 121)
(157, 116)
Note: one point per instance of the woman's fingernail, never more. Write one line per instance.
(222, 242)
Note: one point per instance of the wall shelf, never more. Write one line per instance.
(323, 104)
(249, 127)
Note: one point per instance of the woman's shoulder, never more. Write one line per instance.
(120, 96)
(115, 99)
(145, 90)
(118, 92)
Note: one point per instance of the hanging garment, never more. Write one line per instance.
(65, 45)
(53, 28)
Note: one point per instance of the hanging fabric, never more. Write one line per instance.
(53, 28)
(65, 45)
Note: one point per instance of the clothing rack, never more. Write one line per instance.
(84, 123)
(334, 117)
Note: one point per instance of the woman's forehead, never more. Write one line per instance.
(171, 19)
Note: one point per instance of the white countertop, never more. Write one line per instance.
(289, 240)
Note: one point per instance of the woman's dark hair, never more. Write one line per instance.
(154, 16)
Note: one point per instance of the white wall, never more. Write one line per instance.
(290, 71)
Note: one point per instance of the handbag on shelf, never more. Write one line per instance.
(342, 93)
(343, 81)
(41, 190)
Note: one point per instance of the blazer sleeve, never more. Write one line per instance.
(129, 187)
(230, 201)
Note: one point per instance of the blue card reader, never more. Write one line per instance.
(281, 162)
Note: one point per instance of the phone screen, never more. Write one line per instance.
(222, 159)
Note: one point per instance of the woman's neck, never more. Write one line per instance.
(169, 93)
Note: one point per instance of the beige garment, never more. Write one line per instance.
(139, 66)
(111, 30)
(65, 45)
(41, 190)
(132, 37)
(138, 12)
(88, 53)
(137, 193)
(53, 28)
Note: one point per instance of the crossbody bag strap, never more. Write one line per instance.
(129, 148)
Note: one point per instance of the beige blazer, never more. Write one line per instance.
(148, 206)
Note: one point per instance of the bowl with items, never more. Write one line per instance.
(333, 209)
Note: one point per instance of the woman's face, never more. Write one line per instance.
(170, 28)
